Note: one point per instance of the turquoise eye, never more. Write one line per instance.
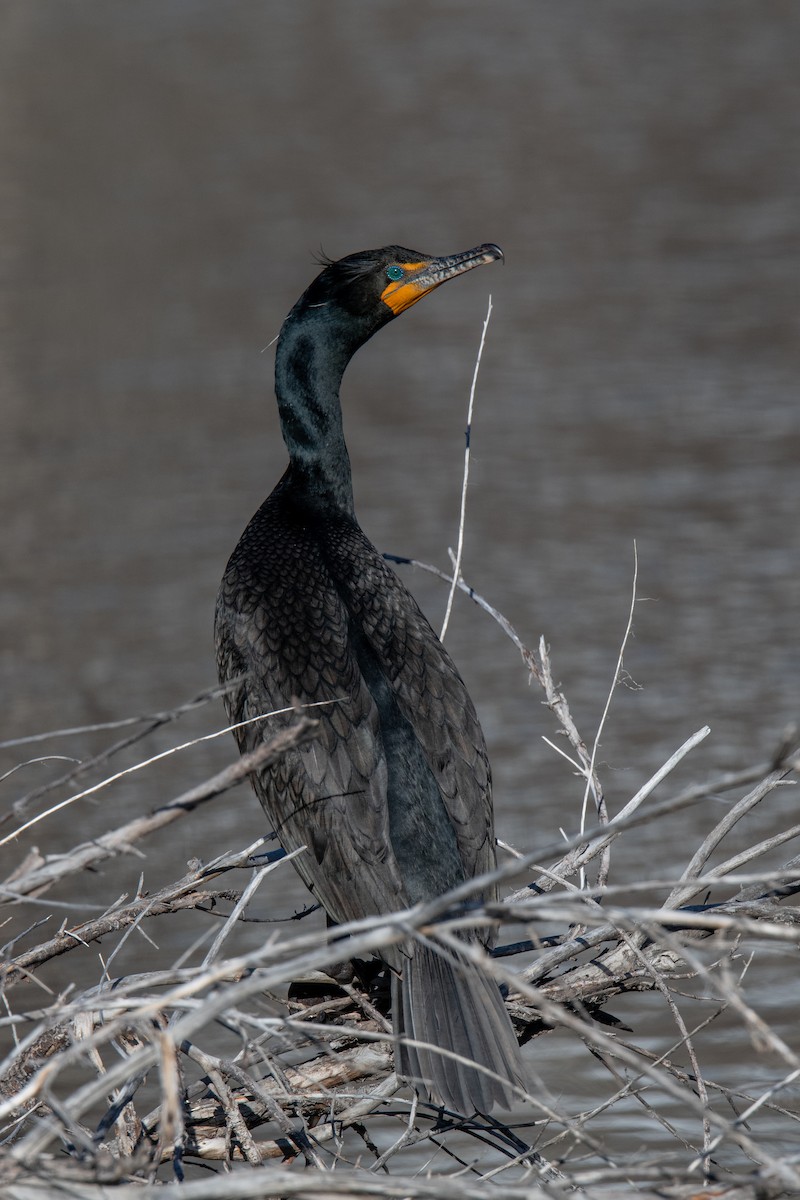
(394, 273)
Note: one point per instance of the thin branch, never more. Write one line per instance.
(149, 725)
(120, 840)
(96, 787)
(465, 483)
(592, 781)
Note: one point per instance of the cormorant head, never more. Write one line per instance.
(348, 301)
(375, 285)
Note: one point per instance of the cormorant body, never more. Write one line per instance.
(392, 798)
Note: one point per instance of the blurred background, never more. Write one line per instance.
(170, 170)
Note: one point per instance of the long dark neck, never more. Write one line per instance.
(310, 361)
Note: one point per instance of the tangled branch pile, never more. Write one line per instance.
(229, 1073)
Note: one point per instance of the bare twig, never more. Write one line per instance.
(465, 483)
(120, 840)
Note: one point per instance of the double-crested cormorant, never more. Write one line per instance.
(392, 797)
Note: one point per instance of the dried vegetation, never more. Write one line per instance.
(235, 1074)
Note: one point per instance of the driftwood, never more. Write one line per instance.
(123, 1082)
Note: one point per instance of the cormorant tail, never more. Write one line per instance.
(448, 1002)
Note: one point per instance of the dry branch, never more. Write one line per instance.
(126, 1074)
(119, 841)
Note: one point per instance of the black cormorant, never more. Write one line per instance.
(392, 798)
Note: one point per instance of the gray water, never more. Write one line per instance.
(170, 170)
